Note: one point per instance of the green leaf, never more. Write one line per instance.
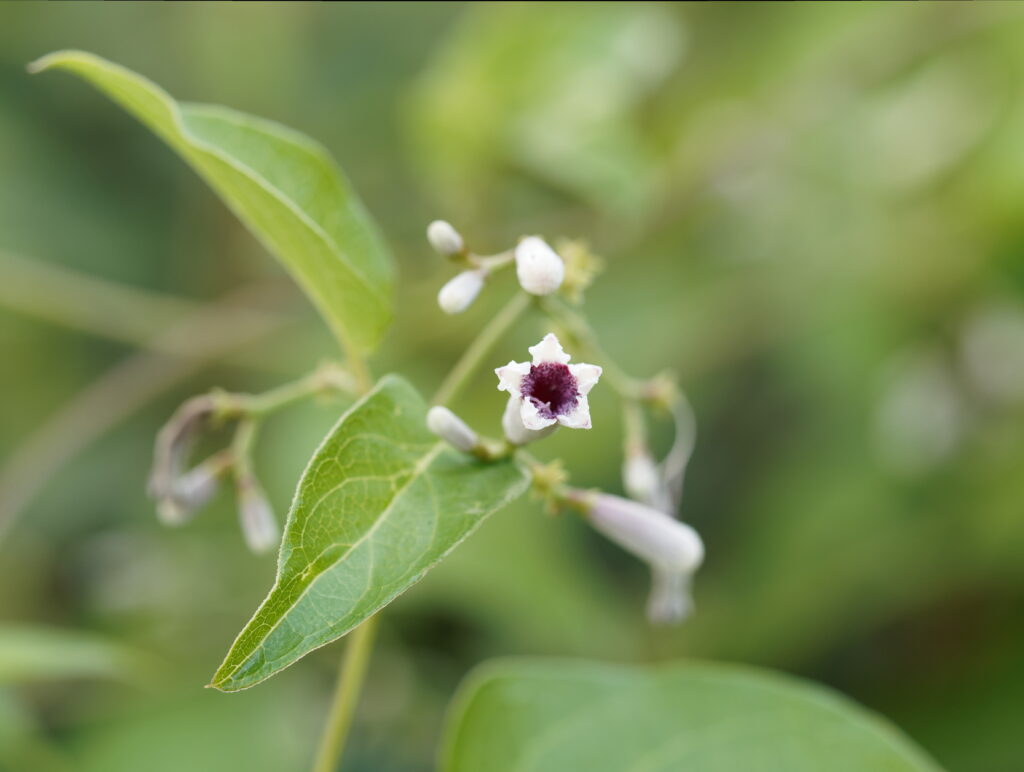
(282, 185)
(538, 715)
(29, 653)
(381, 502)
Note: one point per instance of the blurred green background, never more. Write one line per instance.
(811, 212)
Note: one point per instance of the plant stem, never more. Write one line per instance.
(358, 646)
(346, 694)
(480, 347)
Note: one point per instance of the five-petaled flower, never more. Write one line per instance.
(548, 391)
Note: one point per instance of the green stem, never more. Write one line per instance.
(481, 347)
(358, 648)
(346, 695)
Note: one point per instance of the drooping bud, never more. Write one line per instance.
(670, 601)
(656, 538)
(191, 491)
(640, 476)
(445, 239)
(460, 292)
(178, 495)
(512, 424)
(539, 268)
(449, 427)
(259, 526)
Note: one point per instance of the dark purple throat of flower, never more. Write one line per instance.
(552, 389)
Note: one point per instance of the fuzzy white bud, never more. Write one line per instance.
(449, 427)
(539, 268)
(460, 292)
(444, 238)
(656, 538)
(259, 527)
(640, 477)
(515, 431)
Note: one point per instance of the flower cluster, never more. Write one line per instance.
(547, 392)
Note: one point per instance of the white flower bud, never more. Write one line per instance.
(670, 601)
(654, 537)
(444, 238)
(449, 427)
(640, 477)
(459, 293)
(515, 431)
(539, 268)
(259, 527)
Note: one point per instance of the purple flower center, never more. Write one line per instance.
(552, 388)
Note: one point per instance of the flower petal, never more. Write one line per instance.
(532, 419)
(549, 350)
(586, 376)
(578, 417)
(510, 377)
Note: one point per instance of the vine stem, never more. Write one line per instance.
(480, 347)
(346, 695)
(358, 644)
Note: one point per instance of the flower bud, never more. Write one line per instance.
(444, 238)
(640, 477)
(670, 601)
(459, 293)
(449, 427)
(515, 431)
(654, 537)
(539, 268)
(259, 527)
(190, 492)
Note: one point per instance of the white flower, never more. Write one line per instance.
(658, 539)
(449, 427)
(460, 292)
(444, 238)
(547, 392)
(539, 268)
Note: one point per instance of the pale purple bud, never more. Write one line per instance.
(460, 292)
(449, 427)
(259, 527)
(444, 238)
(190, 492)
(539, 268)
(670, 601)
(514, 428)
(656, 538)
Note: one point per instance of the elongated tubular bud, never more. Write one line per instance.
(656, 538)
(259, 526)
(539, 268)
(444, 238)
(449, 427)
(460, 292)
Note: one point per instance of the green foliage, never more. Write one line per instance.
(380, 503)
(30, 653)
(282, 185)
(557, 715)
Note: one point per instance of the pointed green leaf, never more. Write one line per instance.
(541, 715)
(380, 503)
(282, 185)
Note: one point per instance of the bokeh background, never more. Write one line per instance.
(811, 212)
